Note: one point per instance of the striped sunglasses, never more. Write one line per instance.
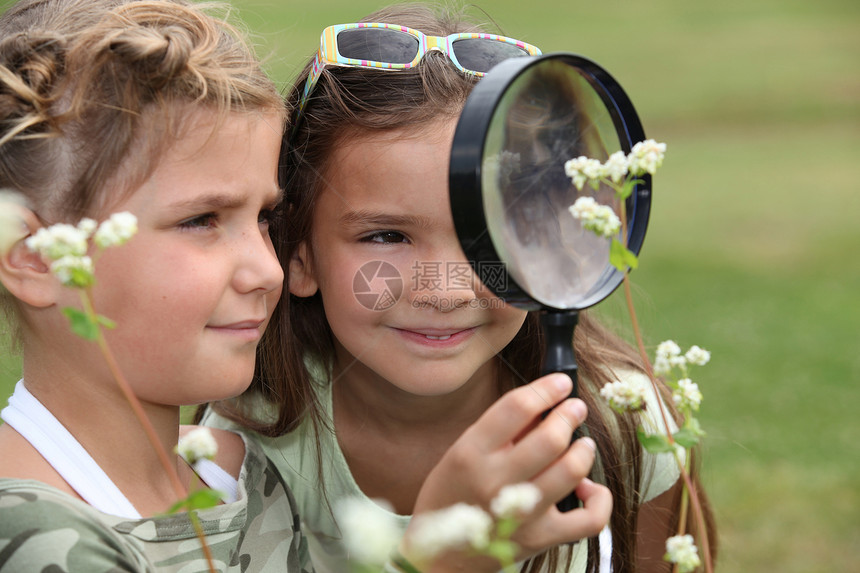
(393, 47)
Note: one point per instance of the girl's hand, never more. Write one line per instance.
(510, 444)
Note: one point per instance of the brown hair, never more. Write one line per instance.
(349, 102)
(93, 91)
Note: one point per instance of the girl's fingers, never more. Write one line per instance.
(554, 527)
(549, 440)
(565, 474)
(513, 412)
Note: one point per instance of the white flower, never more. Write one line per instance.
(616, 167)
(12, 229)
(368, 534)
(458, 526)
(668, 349)
(583, 168)
(197, 444)
(74, 271)
(87, 226)
(687, 394)
(624, 396)
(681, 550)
(698, 356)
(515, 500)
(116, 230)
(646, 157)
(597, 218)
(59, 240)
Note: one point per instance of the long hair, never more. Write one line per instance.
(354, 102)
(92, 92)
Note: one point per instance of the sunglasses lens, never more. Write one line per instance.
(480, 55)
(377, 45)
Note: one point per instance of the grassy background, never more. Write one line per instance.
(750, 250)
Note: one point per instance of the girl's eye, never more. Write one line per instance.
(199, 222)
(385, 237)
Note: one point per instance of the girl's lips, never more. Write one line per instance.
(436, 337)
(250, 330)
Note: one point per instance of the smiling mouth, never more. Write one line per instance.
(437, 336)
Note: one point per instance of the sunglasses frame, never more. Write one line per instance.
(329, 54)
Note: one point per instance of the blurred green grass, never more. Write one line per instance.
(752, 241)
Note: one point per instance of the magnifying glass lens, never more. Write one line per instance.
(549, 114)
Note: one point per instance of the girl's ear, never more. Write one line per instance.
(24, 273)
(303, 283)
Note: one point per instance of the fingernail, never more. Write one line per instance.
(589, 442)
(576, 409)
(562, 382)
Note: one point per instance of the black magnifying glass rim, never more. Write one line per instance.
(467, 153)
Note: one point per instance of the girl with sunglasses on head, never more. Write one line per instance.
(397, 378)
(158, 108)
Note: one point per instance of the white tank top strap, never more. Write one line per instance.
(65, 454)
(218, 479)
(30, 418)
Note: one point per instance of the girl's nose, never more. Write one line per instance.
(259, 268)
(442, 285)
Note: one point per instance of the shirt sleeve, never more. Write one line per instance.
(41, 533)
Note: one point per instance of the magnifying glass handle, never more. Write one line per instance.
(558, 327)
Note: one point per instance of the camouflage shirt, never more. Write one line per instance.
(45, 530)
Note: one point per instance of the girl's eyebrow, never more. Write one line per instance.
(216, 201)
(382, 219)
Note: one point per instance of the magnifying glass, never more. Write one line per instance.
(510, 196)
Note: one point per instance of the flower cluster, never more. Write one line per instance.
(583, 169)
(66, 246)
(455, 527)
(370, 533)
(644, 157)
(599, 219)
(682, 551)
(624, 396)
(669, 358)
(513, 500)
(620, 172)
(198, 444)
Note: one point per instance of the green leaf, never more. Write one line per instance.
(621, 257)
(106, 322)
(503, 550)
(626, 189)
(82, 323)
(204, 498)
(654, 443)
(693, 425)
(686, 437)
(200, 499)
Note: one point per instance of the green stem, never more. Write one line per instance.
(685, 496)
(136, 407)
(141, 416)
(689, 491)
(198, 529)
